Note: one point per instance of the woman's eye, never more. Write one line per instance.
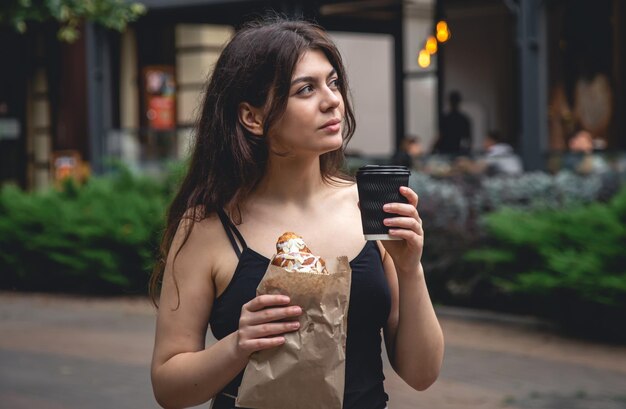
(334, 83)
(305, 90)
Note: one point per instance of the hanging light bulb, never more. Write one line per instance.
(443, 32)
(431, 45)
(423, 59)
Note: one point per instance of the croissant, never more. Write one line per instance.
(293, 255)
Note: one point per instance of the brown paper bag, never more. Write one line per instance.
(308, 370)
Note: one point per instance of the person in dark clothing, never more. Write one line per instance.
(267, 159)
(455, 135)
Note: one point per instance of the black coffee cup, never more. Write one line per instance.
(378, 185)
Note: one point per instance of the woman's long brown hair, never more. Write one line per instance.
(227, 162)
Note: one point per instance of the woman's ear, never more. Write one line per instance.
(251, 118)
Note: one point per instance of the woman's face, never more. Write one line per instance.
(313, 120)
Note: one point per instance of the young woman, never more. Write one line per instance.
(274, 122)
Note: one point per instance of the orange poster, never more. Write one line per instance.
(160, 92)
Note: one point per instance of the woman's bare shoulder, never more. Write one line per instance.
(196, 222)
(199, 237)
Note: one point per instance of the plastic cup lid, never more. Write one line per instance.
(384, 169)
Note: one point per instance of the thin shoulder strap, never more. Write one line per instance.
(230, 228)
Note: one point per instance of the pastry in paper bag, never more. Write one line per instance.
(308, 370)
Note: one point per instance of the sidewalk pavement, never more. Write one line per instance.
(67, 352)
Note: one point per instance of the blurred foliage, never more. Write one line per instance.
(567, 264)
(101, 237)
(113, 14)
(452, 207)
(445, 211)
(539, 190)
(551, 245)
(442, 203)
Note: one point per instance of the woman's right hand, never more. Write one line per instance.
(257, 327)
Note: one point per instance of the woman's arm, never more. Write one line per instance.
(413, 335)
(184, 373)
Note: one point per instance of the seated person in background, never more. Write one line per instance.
(410, 149)
(499, 157)
(581, 158)
(581, 142)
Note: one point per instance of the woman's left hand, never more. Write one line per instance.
(405, 223)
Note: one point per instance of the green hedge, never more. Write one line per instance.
(453, 207)
(98, 238)
(568, 265)
(566, 261)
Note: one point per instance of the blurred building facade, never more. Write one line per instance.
(527, 68)
(539, 71)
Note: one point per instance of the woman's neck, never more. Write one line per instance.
(296, 181)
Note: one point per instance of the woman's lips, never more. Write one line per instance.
(332, 126)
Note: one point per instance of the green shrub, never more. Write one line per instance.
(569, 264)
(444, 210)
(452, 207)
(96, 238)
(442, 203)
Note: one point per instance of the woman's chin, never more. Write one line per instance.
(334, 142)
(332, 148)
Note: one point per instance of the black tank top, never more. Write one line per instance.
(368, 310)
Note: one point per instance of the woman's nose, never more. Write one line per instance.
(331, 99)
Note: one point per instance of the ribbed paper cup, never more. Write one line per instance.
(378, 185)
